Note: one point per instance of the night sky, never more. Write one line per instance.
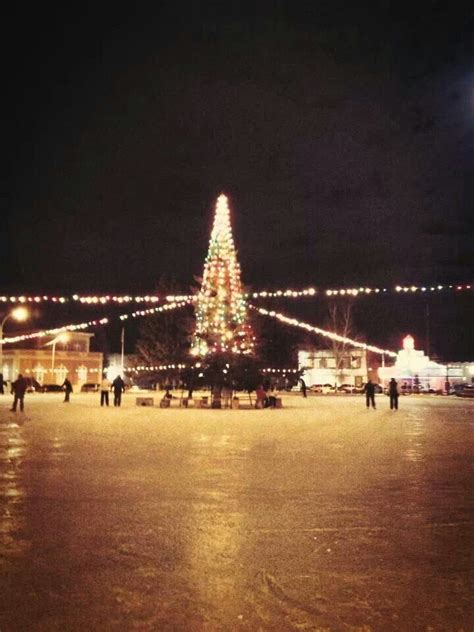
(343, 137)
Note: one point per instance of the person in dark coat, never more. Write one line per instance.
(118, 386)
(67, 386)
(18, 391)
(303, 387)
(1, 384)
(393, 394)
(369, 390)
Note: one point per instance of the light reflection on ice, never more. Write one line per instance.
(13, 450)
(415, 451)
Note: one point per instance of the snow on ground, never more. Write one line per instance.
(319, 516)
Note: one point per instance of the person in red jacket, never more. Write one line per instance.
(261, 394)
(18, 391)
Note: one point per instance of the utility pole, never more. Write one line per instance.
(122, 340)
(427, 329)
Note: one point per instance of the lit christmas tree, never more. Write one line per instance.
(221, 310)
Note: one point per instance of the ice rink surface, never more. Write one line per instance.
(320, 516)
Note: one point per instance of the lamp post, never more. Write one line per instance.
(61, 338)
(20, 314)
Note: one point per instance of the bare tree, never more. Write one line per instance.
(340, 321)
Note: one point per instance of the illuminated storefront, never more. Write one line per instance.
(59, 357)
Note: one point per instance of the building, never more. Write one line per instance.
(65, 355)
(415, 370)
(320, 367)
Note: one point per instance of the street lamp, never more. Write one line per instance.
(20, 314)
(60, 338)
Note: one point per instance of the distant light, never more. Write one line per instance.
(20, 314)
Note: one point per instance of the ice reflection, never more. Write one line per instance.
(215, 523)
(415, 450)
(57, 452)
(12, 493)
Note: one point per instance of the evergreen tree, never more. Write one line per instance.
(164, 339)
(221, 310)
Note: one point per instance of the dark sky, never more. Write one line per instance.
(342, 135)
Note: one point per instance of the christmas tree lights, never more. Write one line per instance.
(221, 309)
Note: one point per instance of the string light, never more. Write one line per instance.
(322, 332)
(160, 367)
(288, 293)
(93, 299)
(91, 323)
(56, 330)
(33, 299)
(284, 293)
(167, 367)
(155, 310)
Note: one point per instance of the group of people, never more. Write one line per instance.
(117, 386)
(266, 397)
(369, 390)
(20, 385)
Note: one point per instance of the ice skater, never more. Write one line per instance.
(18, 391)
(104, 391)
(369, 390)
(67, 386)
(303, 387)
(118, 386)
(393, 394)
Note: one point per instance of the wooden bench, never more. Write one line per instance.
(201, 402)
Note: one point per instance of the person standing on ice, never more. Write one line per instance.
(67, 386)
(303, 386)
(18, 391)
(393, 394)
(104, 391)
(118, 386)
(261, 396)
(369, 390)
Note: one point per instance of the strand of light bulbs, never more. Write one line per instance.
(288, 293)
(167, 367)
(93, 300)
(91, 323)
(322, 332)
(160, 367)
(311, 291)
(56, 330)
(155, 310)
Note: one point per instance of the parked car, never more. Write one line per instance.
(352, 388)
(377, 387)
(89, 387)
(466, 391)
(147, 383)
(457, 388)
(323, 388)
(32, 385)
(51, 388)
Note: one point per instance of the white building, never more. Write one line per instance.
(414, 369)
(320, 367)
